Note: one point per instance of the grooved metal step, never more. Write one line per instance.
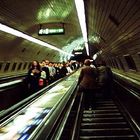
(101, 115)
(113, 119)
(105, 132)
(105, 122)
(104, 125)
(106, 107)
(115, 137)
(101, 111)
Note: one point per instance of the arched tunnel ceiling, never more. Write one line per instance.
(115, 22)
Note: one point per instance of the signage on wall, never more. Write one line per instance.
(51, 29)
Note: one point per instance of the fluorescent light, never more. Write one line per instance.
(78, 53)
(81, 15)
(17, 33)
(94, 56)
(87, 49)
(97, 54)
(10, 83)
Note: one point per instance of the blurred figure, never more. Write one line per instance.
(44, 74)
(34, 76)
(63, 70)
(68, 68)
(73, 65)
(105, 79)
(87, 84)
(57, 69)
(52, 72)
(47, 62)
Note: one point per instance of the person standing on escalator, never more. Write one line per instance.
(33, 76)
(87, 84)
(105, 79)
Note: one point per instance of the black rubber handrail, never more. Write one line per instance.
(6, 78)
(64, 118)
(126, 112)
(8, 82)
(76, 124)
(134, 93)
(133, 83)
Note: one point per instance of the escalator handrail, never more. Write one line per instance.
(12, 77)
(129, 80)
(66, 115)
(77, 117)
(11, 81)
(15, 108)
(6, 85)
(64, 119)
(135, 94)
(53, 116)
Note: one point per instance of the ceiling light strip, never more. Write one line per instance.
(17, 33)
(81, 15)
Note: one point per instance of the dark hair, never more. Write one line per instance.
(87, 62)
(38, 65)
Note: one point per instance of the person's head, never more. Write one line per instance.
(43, 63)
(50, 64)
(47, 62)
(35, 64)
(87, 62)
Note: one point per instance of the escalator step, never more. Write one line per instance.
(105, 132)
(101, 115)
(115, 137)
(105, 104)
(105, 122)
(106, 107)
(112, 119)
(104, 125)
(101, 111)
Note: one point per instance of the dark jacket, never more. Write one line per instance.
(33, 79)
(63, 71)
(105, 75)
(87, 78)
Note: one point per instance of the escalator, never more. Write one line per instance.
(12, 90)
(57, 114)
(105, 121)
(40, 113)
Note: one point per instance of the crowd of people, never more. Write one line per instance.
(92, 77)
(41, 74)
